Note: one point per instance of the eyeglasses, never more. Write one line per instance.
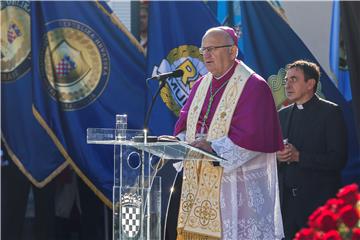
(202, 50)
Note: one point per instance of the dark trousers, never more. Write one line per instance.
(14, 197)
(92, 219)
(293, 216)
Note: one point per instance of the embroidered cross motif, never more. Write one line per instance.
(205, 212)
(187, 205)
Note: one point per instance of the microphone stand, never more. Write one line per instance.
(147, 118)
(146, 123)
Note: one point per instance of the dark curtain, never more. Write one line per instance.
(350, 18)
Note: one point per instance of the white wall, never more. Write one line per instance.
(312, 22)
(123, 10)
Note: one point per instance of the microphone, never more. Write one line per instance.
(162, 82)
(176, 73)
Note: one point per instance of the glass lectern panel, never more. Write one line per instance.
(178, 150)
(137, 189)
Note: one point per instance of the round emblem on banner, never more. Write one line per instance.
(74, 64)
(176, 91)
(15, 40)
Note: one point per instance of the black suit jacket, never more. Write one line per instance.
(322, 142)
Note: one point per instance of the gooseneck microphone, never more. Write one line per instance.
(176, 73)
(162, 78)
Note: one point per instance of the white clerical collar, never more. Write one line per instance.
(300, 106)
(306, 104)
(217, 78)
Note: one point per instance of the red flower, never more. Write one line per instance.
(338, 219)
(326, 221)
(356, 234)
(312, 219)
(331, 235)
(349, 194)
(349, 215)
(334, 204)
(305, 234)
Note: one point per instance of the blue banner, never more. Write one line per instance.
(229, 14)
(85, 71)
(175, 33)
(270, 44)
(338, 61)
(25, 140)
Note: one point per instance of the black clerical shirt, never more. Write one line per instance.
(297, 129)
(317, 130)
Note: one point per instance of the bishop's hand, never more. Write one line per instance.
(202, 144)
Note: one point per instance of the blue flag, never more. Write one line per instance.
(174, 38)
(270, 44)
(85, 71)
(229, 14)
(26, 141)
(338, 62)
(223, 13)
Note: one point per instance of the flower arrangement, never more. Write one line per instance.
(338, 219)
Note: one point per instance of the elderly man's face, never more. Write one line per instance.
(218, 60)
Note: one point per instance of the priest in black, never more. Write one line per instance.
(315, 152)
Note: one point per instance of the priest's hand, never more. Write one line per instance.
(288, 154)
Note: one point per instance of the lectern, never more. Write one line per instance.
(137, 189)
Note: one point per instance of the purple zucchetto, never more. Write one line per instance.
(231, 32)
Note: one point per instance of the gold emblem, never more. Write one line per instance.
(176, 92)
(75, 64)
(15, 40)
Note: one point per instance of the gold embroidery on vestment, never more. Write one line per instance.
(199, 214)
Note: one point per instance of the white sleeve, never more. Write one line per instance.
(181, 135)
(235, 155)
